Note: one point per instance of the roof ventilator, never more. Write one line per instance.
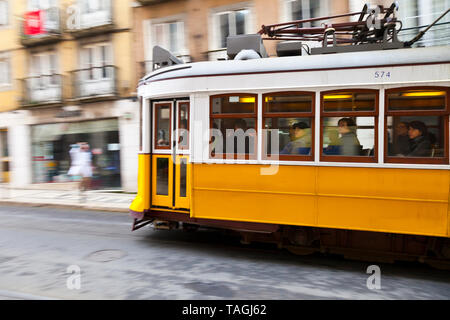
(163, 58)
(289, 48)
(245, 47)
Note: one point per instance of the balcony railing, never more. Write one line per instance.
(42, 90)
(87, 22)
(95, 82)
(51, 30)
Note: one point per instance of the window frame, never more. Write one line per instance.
(254, 115)
(440, 113)
(343, 114)
(312, 115)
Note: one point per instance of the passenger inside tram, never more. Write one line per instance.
(241, 128)
(300, 143)
(333, 147)
(162, 141)
(400, 145)
(420, 142)
(348, 141)
(183, 135)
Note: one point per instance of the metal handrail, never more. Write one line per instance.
(35, 84)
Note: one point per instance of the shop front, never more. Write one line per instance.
(51, 144)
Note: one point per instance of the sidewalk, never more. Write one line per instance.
(67, 196)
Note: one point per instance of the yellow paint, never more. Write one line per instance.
(142, 201)
(372, 199)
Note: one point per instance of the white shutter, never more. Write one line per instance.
(85, 63)
(3, 13)
(181, 45)
(2, 72)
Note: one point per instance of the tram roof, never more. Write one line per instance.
(407, 56)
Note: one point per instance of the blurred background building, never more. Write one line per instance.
(69, 70)
(68, 76)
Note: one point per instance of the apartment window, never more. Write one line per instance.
(305, 9)
(169, 35)
(417, 14)
(417, 121)
(41, 4)
(288, 120)
(5, 70)
(90, 6)
(230, 23)
(44, 69)
(96, 61)
(4, 13)
(349, 125)
(233, 126)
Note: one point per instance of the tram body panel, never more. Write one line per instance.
(142, 201)
(370, 199)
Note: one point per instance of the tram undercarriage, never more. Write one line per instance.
(351, 244)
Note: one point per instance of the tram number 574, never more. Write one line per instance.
(382, 74)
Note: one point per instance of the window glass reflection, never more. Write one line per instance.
(416, 136)
(233, 104)
(163, 126)
(294, 136)
(349, 101)
(236, 136)
(349, 136)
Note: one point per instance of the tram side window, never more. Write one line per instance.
(233, 121)
(417, 125)
(288, 121)
(349, 125)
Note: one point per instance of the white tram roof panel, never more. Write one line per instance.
(314, 62)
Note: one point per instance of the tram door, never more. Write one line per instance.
(170, 159)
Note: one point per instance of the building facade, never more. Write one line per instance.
(71, 79)
(196, 30)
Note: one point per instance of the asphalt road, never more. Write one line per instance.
(42, 250)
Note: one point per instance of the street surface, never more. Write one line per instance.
(38, 245)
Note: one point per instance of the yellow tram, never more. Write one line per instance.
(308, 152)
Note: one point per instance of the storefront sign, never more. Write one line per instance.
(69, 114)
(34, 23)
